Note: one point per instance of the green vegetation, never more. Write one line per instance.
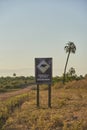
(13, 83)
(68, 112)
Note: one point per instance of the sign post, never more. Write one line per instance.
(37, 95)
(49, 96)
(43, 75)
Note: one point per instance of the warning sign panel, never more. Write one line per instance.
(43, 70)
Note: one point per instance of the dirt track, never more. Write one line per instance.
(4, 96)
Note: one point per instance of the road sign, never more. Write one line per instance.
(43, 70)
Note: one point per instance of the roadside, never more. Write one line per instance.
(4, 96)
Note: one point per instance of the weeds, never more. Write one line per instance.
(68, 112)
(8, 106)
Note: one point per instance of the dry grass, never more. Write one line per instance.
(77, 84)
(68, 112)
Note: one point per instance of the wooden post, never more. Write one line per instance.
(49, 95)
(37, 95)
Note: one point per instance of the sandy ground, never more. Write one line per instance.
(4, 96)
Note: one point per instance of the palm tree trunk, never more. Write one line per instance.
(66, 67)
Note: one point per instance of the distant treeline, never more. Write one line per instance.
(68, 78)
(9, 83)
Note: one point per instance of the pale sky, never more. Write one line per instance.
(41, 28)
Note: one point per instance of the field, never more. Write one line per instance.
(68, 112)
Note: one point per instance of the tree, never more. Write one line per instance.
(69, 48)
(72, 71)
(14, 74)
(85, 75)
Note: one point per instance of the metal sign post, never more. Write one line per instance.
(43, 75)
(37, 95)
(49, 95)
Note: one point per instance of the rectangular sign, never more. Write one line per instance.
(43, 70)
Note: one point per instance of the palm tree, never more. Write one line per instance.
(69, 48)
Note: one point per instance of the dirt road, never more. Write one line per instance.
(4, 96)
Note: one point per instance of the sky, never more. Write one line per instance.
(31, 29)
